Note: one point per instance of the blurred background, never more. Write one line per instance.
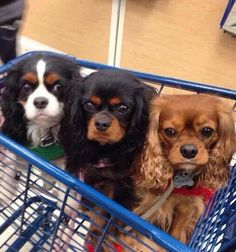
(180, 39)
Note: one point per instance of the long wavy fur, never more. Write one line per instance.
(14, 124)
(217, 171)
(155, 171)
(79, 148)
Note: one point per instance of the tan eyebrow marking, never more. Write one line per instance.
(96, 100)
(115, 101)
(31, 77)
(51, 78)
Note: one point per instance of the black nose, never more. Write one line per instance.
(103, 123)
(189, 151)
(40, 102)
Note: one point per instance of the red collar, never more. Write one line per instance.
(206, 193)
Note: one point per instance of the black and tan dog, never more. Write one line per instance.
(104, 129)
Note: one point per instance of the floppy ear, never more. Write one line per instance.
(227, 141)
(140, 118)
(143, 96)
(217, 172)
(73, 128)
(14, 125)
(155, 170)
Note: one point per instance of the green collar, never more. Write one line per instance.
(49, 153)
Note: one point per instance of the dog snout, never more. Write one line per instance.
(102, 123)
(189, 151)
(40, 102)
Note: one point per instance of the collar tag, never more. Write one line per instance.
(183, 179)
(47, 141)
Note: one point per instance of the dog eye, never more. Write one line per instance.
(57, 85)
(207, 132)
(26, 87)
(122, 108)
(170, 132)
(89, 106)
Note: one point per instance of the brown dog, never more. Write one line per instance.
(188, 134)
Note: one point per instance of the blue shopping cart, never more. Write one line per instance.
(34, 221)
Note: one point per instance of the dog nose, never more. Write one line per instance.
(102, 124)
(189, 151)
(40, 102)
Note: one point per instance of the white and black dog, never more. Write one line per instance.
(32, 105)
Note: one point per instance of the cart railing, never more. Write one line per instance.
(39, 222)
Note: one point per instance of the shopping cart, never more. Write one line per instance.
(39, 220)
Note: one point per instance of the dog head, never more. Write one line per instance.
(35, 92)
(111, 110)
(110, 106)
(192, 133)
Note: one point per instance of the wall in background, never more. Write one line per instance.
(80, 28)
(180, 39)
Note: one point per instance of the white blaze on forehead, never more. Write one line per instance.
(41, 66)
(50, 115)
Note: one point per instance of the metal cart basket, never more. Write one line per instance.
(39, 220)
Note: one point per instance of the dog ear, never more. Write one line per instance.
(154, 168)
(227, 141)
(13, 112)
(143, 95)
(139, 123)
(217, 172)
(74, 122)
